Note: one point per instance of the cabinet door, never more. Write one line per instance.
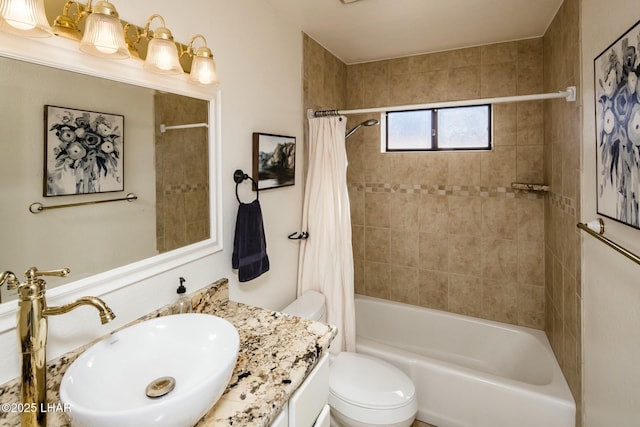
(324, 419)
(311, 397)
(282, 420)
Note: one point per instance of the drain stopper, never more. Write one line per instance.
(160, 387)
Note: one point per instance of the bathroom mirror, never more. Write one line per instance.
(173, 174)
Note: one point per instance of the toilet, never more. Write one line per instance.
(363, 391)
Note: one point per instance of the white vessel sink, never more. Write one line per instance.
(106, 386)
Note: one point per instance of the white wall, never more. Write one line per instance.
(611, 283)
(259, 59)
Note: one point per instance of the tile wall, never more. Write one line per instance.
(562, 208)
(182, 184)
(446, 230)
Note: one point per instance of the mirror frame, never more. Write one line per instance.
(61, 53)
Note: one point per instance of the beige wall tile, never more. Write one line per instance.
(499, 301)
(433, 252)
(433, 214)
(405, 212)
(376, 245)
(431, 168)
(531, 299)
(404, 284)
(359, 276)
(434, 289)
(499, 218)
(499, 261)
(468, 57)
(464, 83)
(464, 293)
(498, 168)
(531, 262)
(465, 215)
(377, 209)
(504, 124)
(376, 169)
(465, 255)
(498, 80)
(404, 248)
(530, 219)
(357, 241)
(499, 53)
(377, 279)
(356, 203)
(433, 86)
(464, 168)
(529, 161)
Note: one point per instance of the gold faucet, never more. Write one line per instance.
(32, 334)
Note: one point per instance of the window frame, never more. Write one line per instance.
(434, 131)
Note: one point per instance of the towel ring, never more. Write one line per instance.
(239, 176)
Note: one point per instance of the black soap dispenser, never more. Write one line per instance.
(184, 302)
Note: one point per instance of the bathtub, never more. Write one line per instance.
(468, 372)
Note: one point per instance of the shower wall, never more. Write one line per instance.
(182, 172)
(445, 230)
(562, 207)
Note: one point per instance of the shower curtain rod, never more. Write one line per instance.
(164, 128)
(569, 95)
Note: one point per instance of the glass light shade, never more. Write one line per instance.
(162, 57)
(24, 17)
(104, 37)
(203, 71)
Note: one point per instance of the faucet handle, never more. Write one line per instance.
(10, 278)
(33, 272)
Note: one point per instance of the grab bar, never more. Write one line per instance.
(599, 235)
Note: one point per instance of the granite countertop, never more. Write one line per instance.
(277, 352)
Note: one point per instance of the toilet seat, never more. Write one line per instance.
(370, 391)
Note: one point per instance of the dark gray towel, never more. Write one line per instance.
(249, 245)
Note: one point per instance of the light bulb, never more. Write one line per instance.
(19, 16)
(24, 17)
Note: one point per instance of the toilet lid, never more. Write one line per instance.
(368, 382)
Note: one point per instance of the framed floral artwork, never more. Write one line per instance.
(617, 96)
(83, 152)
(274, 160)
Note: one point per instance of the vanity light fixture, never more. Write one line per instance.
(162, 52)
(24, 17)
(203, 67)
(66, 26)
(106, 36)
(103, 33)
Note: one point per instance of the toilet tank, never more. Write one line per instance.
(310, 305)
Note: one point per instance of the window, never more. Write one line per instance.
(438, 129)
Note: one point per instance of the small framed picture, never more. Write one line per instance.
(274, 160)
(83, 152)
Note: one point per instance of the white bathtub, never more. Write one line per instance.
(468, 372)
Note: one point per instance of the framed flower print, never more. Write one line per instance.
(83, 152)
(617, 96)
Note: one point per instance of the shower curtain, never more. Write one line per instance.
(326, 257)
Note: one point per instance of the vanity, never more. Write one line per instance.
(281, 377)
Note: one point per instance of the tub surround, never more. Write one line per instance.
(277, 352)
